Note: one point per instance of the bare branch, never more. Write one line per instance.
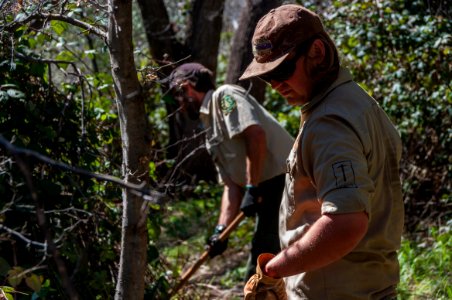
(42, 223)
(43, 60)
(183, 140)
(188, 156)
(23, 238)
(88, 27)
(97, 30)
(152, 196)
(77, 74)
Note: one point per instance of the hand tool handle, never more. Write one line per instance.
(205, 254)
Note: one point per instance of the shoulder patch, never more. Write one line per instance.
(344, 174)
(227, 104)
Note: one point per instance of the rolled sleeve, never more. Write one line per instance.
(338, 165)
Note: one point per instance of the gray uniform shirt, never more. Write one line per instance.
(227, 112)
(345, 159)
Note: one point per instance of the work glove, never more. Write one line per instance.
(263, 287)
(250, 201)
(216, 246)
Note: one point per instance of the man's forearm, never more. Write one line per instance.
(230, 202)
(256, 150)
(329, 239)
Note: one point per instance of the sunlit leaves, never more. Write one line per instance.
(425, 265)
(58, 27)
(7, 291)
(15, 276)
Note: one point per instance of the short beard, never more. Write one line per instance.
(192, 111)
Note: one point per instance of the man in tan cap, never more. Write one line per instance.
(342, 215)
(249, 148)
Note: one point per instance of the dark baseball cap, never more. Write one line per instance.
(279, 32)
(187, 71)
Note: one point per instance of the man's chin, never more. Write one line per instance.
(296, 101)
(293, 101)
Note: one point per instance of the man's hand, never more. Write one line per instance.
(216, 246)
(263, 287)
(250, 200)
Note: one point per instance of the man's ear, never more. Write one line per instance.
(317, 50)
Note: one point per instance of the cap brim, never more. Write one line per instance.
(168, 81)
(165, 80)
(255, 69)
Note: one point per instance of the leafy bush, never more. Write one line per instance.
(426, 266)
(402, 55)
(81, 214)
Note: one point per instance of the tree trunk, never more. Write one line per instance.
(201, 45)
(203, 35)
(164, 46)
(241, 52)
(133, 124)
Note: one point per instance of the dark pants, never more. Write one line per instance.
(266, 231)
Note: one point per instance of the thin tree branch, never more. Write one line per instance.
(189, 155)
(140, 189)
(25, 239)
(44, 60)
(77, 74)
(42, 223)
(88, 27)
(97, 30)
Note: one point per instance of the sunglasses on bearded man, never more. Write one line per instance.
(286, 69)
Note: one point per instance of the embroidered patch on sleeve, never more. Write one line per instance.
(344, 174)
(227, 104)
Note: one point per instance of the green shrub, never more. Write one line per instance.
(426, 265)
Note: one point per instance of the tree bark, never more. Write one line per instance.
(133, 125)
(241, 52)
(204, 32)
(201, 44)
(160, 33)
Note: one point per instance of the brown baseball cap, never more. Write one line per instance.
(188, 71)
(277, 33)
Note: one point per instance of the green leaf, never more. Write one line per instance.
(13, 277)
(58, 26)
(7, 289)
(34, 282)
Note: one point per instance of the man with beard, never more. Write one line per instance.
(249, 148)
(341, 217)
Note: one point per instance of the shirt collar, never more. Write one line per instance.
(343, 77)
(205, 106)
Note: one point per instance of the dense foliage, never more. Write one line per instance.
(56, 99)
(82, 213)
(49, 106)
(400, 52)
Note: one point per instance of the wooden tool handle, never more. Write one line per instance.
(205, 254)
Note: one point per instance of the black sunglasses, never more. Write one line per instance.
(282, 72)
(285, 69)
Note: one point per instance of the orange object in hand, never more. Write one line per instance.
(263, 287)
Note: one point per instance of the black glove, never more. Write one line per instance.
(250, 201)
(216, 247)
